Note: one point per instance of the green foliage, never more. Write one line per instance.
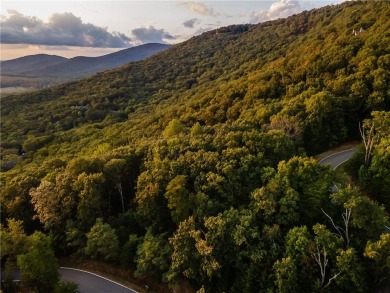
(102, 242)
(66, 287)
(129, 251)
(286, 279)
(13, 243)
(178, 197)
(153, 255)
(89, 188)
(379, 253)
(184, 256)
(32, 143)
(298, 262)
(369, 218)
(75, 238)
(371, 164)
(223, 76)
(352, 166)
(324, 123)
(54, 202)
(15, 198)
(298, 242)
(300, 188)
(197, 129)
(375, 177)
(33, 255)
(174, 127)
(192, 164)
(38, 266)
(351, 271)
(114, 170)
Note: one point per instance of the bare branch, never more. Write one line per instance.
(343, 233)
(334, 225)
(331, 279)
(322, 263)
(368, 141)
(362, 134)
(346, 216)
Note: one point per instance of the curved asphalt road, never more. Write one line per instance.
(92, 283)
(337, 159)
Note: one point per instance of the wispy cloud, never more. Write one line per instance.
(191, 22)
(151, 35)
(238, 15)
(280, 9)
(62, 29)
(198, 8)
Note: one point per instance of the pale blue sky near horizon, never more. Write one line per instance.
(97, 27)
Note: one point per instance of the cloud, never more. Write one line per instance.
(280, 9)
(238, 15)
(151, 35)
(198, 8)
(191, 22)
(62, 29)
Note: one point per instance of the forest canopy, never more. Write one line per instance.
(194, 166)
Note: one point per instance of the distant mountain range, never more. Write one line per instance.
(42, 69)
(30, 63)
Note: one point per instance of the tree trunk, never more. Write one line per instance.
(119, 186)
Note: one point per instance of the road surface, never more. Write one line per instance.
(88, 282)
(92, 283)
(337, 159)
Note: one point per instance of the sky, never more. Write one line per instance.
(96, 27)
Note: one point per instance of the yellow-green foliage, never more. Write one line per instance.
(199, 153)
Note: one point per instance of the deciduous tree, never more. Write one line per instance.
(38, 266)
(102, 242)
(54, 202)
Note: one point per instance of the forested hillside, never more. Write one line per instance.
(193, 167)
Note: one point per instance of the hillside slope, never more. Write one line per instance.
(290, 63)
(191, 167)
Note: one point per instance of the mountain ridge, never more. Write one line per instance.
(67, 69)
(37, 62)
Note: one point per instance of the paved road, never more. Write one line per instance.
(337, 159)
(92, 283)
